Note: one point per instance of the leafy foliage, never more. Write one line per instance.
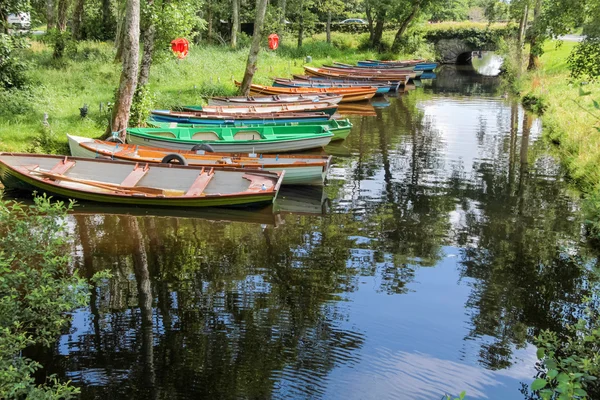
(12, 66)
(37, 289)
(143, 102)
(569, 366)
(477, 35)
(584, 61)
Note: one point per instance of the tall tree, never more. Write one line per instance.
(129, 73)
(77, 19)
(261, 9)
(235, 23)
(406, 19)
(282, 10)
(63, 7)
(148, 33)
(50, 15)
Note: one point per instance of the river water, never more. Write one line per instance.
(445, 240)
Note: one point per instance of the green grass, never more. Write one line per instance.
(89, 76)
(569, 119)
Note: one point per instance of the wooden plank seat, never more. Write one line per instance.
(256, 183)
(135, 176)
(200, 183)
(62, 167)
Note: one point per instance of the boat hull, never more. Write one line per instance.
(295, 175)
(233, 121)
(232, 147)
(16, 180)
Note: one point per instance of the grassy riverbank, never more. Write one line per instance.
(570, 120)
(89, 76)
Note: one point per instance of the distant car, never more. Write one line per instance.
(20, 20)
(353, 21)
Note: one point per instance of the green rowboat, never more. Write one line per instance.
(255, 139)
(339, 127)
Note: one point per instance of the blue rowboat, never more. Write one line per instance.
(235, 119)
(381, 89)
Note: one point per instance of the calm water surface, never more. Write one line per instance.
(444, 241)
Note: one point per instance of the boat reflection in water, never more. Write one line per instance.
(364, 109)
(306, 200)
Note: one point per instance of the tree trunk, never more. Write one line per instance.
(63, 6)
(77, 19)
(120, 37)
(50, 15)
(328, 30)
(282, 20)
(522, 28)
(301, 29)
(378, 31)
(405, 24)
(148, 40)
(235, 23)
(129, 74)
(209, 30)
(369, 21)
(261, 9)
(106, 23)
(534, 39)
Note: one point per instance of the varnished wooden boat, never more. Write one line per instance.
(275, 99)
(348, 94)
(299, 169)
(108, 181)
(236, 119)
(282, 82)
(326, 108)
(266, 139)
(340, 128)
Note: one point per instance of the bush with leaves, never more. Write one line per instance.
(12, 67)
(584, 61)
(569, 366)
(37, 291)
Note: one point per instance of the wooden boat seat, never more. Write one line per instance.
(135, 176)
(257, 181)
(247, 135)
(200, 183)
(62, 167)
(165, 134)
(210, 135)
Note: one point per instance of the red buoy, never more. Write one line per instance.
(273, 41)
(180, 47)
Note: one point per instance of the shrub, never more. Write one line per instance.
(37, 290)
(12, 68)
(584, 61)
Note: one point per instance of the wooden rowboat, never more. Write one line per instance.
(358, 81)
(354, 73)
(236, 119)
(327, 108)
(268, 139)
(348, 94)
(398, 69)
(281, 82)
(120, 182)
(299, 169)
(276, 99)
(419, 65)
(340, 128)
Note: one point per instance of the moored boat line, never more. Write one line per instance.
(275, 99)
(350, 94)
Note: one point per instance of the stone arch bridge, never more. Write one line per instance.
(454, 44)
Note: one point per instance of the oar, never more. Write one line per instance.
(112, 186)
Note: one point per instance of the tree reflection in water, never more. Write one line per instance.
(206, 308)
